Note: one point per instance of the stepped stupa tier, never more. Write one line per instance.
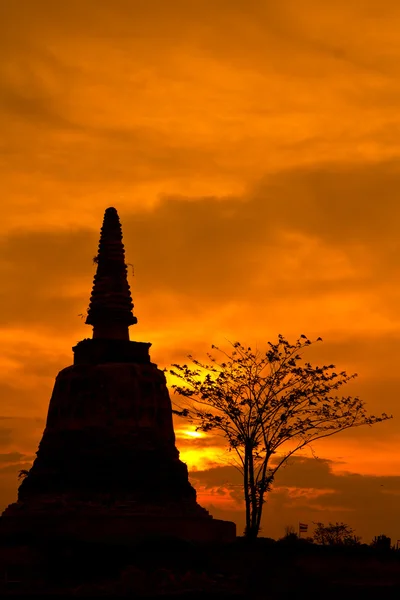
(107, 465)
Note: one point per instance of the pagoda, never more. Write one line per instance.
(107, 466)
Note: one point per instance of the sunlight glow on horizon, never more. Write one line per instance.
(195, 434)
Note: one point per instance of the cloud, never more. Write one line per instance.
(111, 98)
(278, 254)
(11, 457)
(42, 272)
(308, 490)
(14, 469)
(306, 249)
(253, 156)
(20, 435)
(5, 436)
(11, 463)
(308, 232)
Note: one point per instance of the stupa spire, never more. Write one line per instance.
(110, 308)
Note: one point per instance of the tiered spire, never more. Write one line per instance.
(110, 309)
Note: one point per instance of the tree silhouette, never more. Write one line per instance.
(382, 542)
(265, 402)
(335, 534)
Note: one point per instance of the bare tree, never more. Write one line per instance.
(263, 403)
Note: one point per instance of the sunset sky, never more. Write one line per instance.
(252, 151)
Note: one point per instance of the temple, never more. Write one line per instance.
(107, 466)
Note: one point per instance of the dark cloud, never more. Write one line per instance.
(308, 490)
(19, 439)
(243, 243)
(11, 457)
(212, 252)
(15, 468)
(20, 433)
(11, 463)
(234, 248)
(218, 476)
(228, 249)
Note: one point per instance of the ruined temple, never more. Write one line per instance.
(107, 465)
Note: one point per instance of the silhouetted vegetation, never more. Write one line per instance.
(335, 534)
(382, 542)
(261, 568)
(265, 402)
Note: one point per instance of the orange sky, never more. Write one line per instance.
(252, 151)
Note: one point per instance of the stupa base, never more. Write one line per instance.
(122, 530)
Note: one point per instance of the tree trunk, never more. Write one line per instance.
(263, 488)
(253, 531)
(246, 493)
(260, 509)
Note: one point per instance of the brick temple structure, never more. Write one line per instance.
(107, 467)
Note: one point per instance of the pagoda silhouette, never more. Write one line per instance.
(107, 467)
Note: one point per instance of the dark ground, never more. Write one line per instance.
(175, 569)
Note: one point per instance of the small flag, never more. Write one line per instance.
(303, 527)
